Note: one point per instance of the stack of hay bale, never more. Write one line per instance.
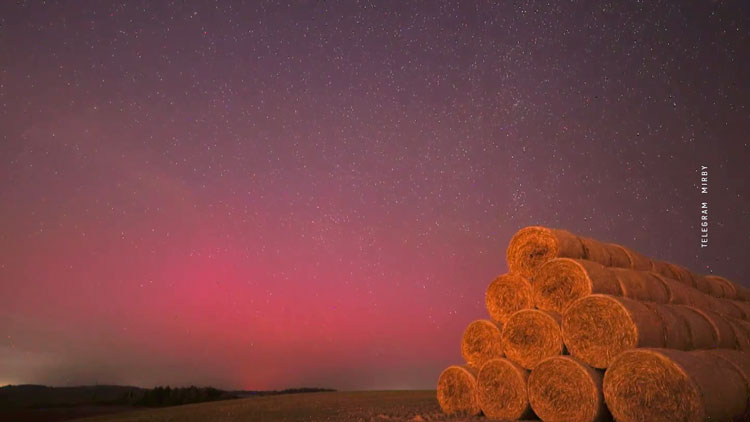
(581, 330)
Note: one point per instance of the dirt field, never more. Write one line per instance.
(368, 406)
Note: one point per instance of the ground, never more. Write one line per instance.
(367, 406)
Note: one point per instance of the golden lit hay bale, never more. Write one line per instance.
(743, 293)
(637, 260)
(678, 292)
(725, 337)
(661, 268)
(744, 306)
(564, 389)
(741, 332)
(675, 272)
(740, 307)
(594, 250)
(456, 391)
(730, 288)
(507, 294)
(703, 335)
(676, 329)
(684, 275)
(619, 257)
(711, 286)
(682, 294)
(561, 281)
(641, 285)
(532, 246)
(531, 335)
(481, 341)
(742, 364)
(597, 328)
(736, 358)
(672, 385)
(501, 390)
(731, 308)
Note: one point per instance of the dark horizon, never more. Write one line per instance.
(252, 195)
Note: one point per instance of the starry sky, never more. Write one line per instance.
(267, 194)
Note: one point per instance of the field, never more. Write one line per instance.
(366, 406)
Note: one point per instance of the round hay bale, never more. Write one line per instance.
(507, 294)
(660, 267)
(501, 390)
(638, 261)
(456, 391)
(532, 335)
(729, 288)
(677, 292)
(740, 362)
(598, 327)
(730, 308)
(618, 256)
(684, 275)
(641, 285)
(596, 251)
(741, 330)
(673, 385)
(564, 389)
(481, 341)
(712, 286)
(703, 335)
(532, 246)
(725, 337)
(675, 272)
(743, 293)
(744, 306)
(676, 329)
(561, 281)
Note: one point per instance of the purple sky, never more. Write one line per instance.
(263, 195)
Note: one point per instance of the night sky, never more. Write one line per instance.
(266, 195)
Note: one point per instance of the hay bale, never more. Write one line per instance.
(678, 292)
(712, 287)
(501, 390)
(730, 289)
(730, 308)
(743, 293)
(597, 328)
(481, 341)
(676, 329)
(561, 281)
(703, 335)
(564, 389)
(661, 267)
(532, 335)
(742, 364)
(637, 260)
(684, 275)
(744, 306)
(456, 391)
(725, 337)
(641, 285)
(675, 272)
(596, 251)
(672, 385)
(682, 294)
(741, 332)
(532, 246)
(619, 257)
(507, 294)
